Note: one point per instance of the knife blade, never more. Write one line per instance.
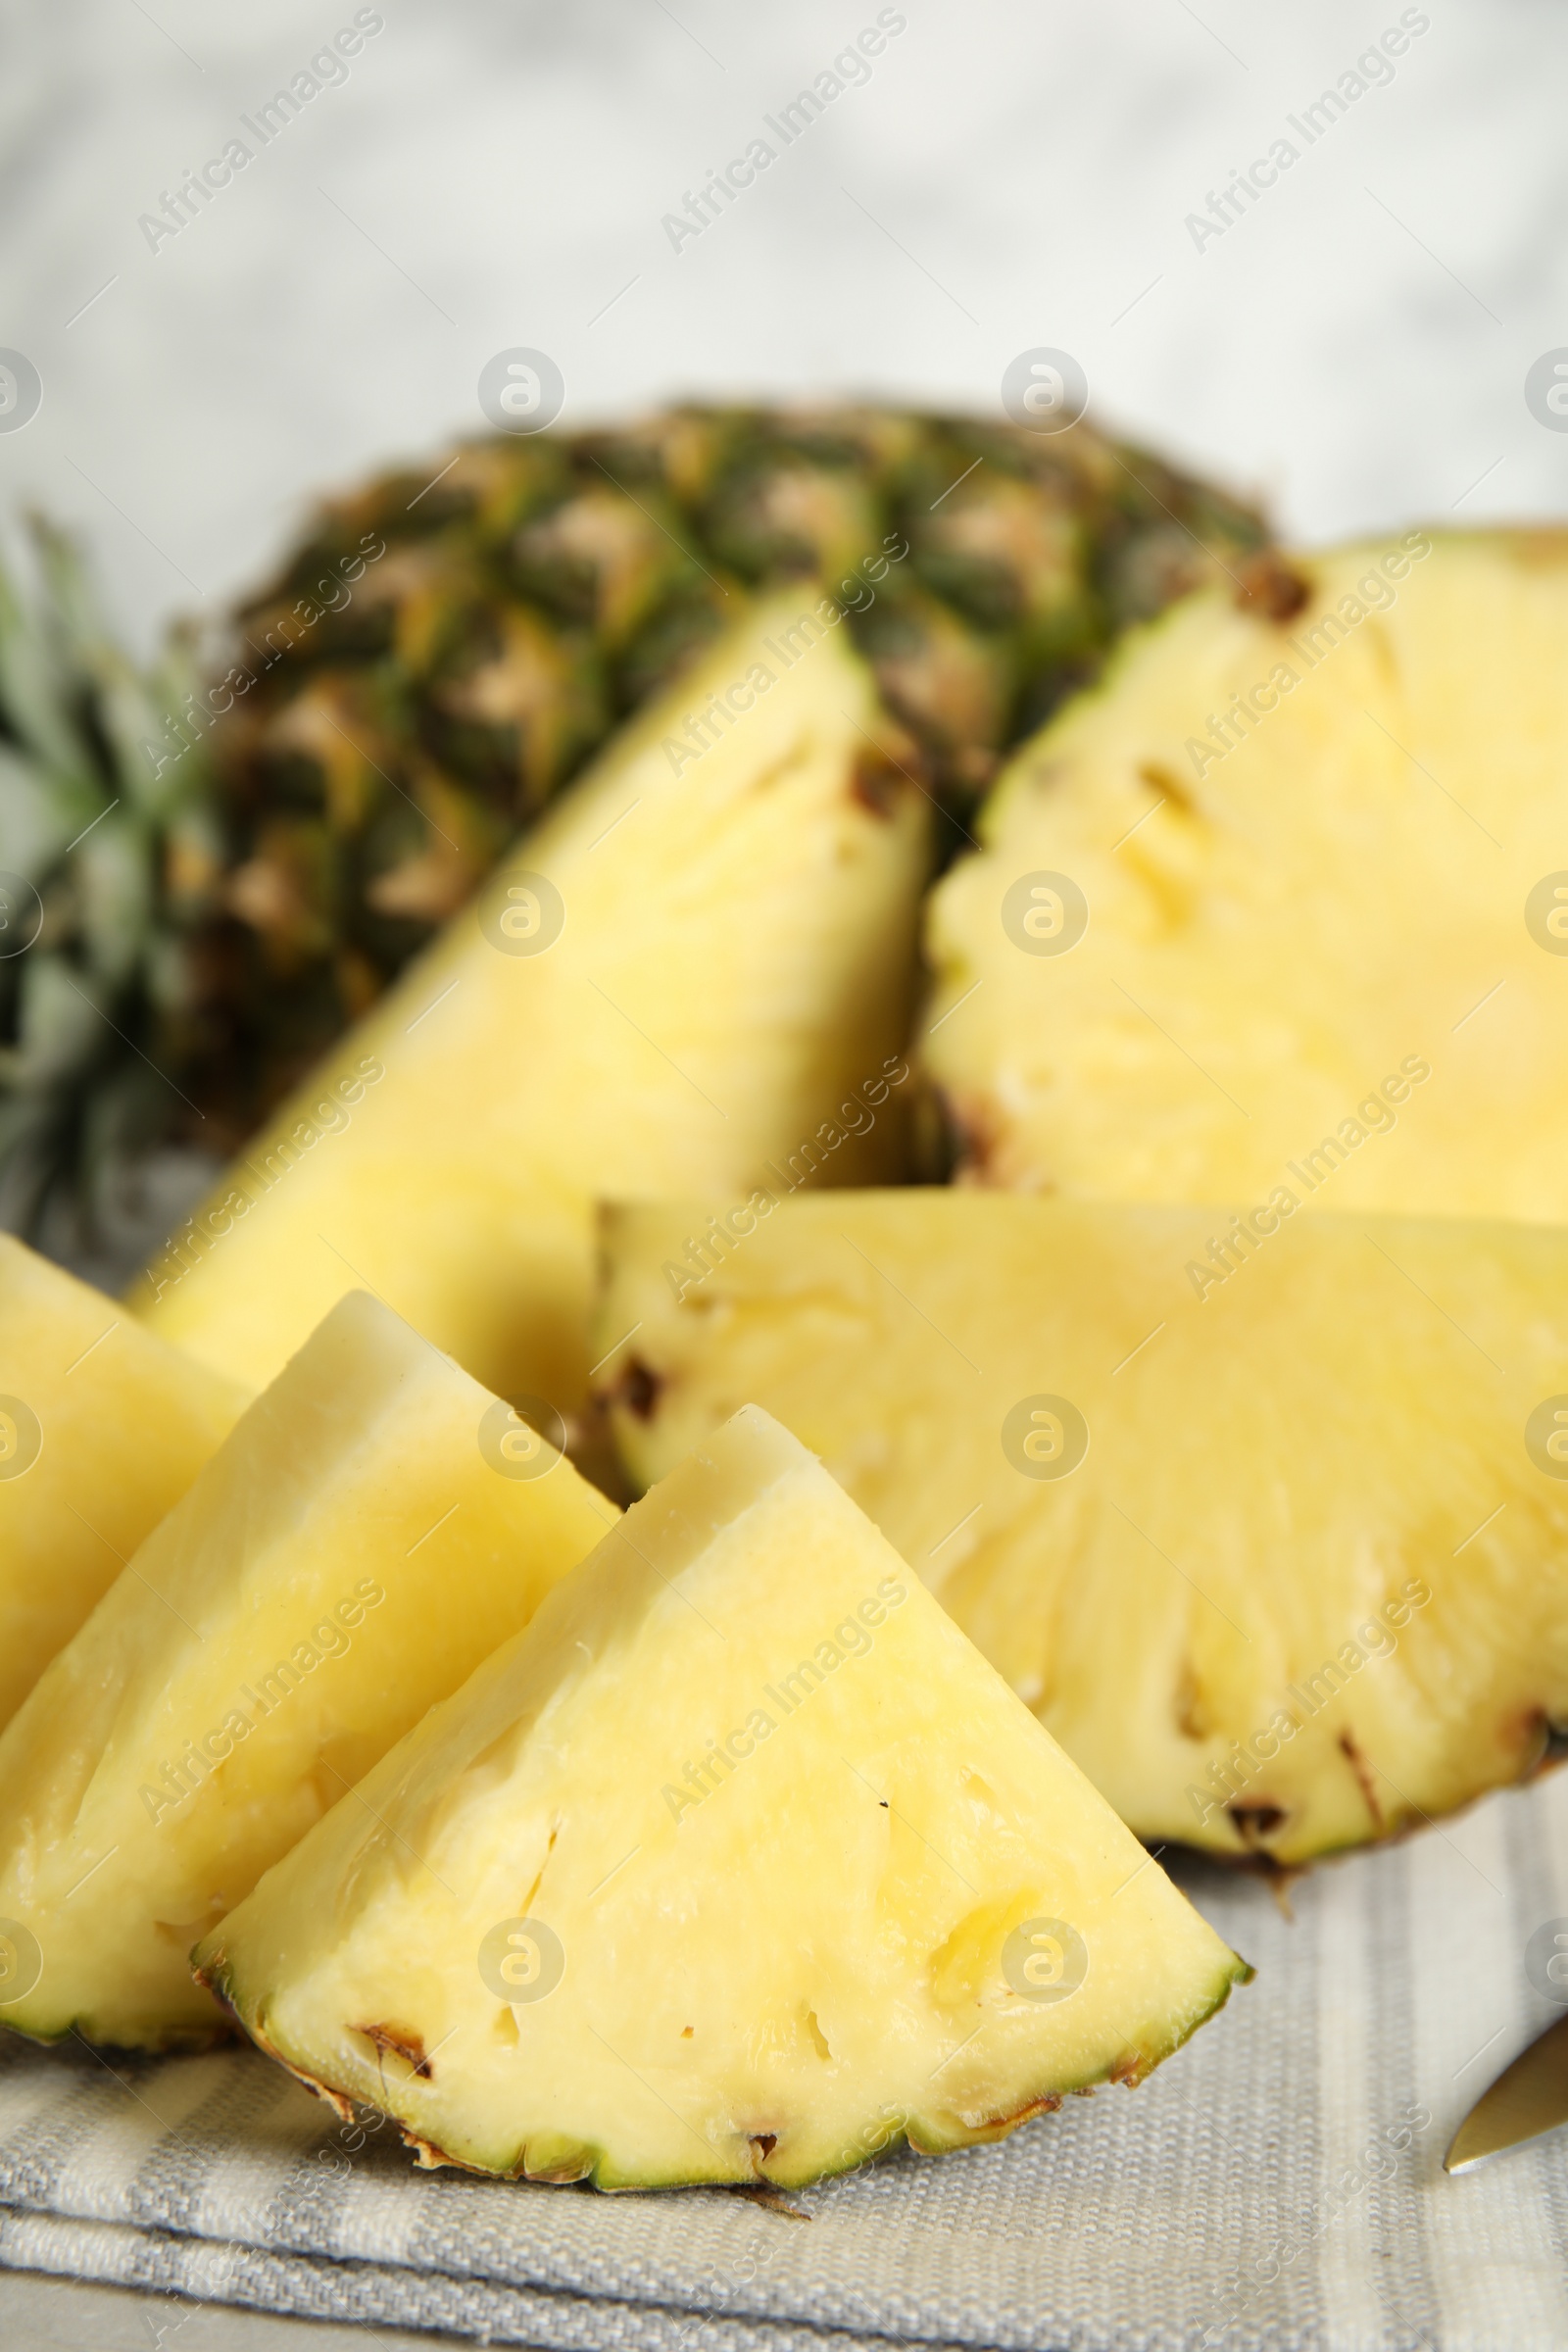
(1529, 2097)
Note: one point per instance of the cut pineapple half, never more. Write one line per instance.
(102, 1429)
(739, 1863)
(1265, 1518)
(374, 1525)
(1284, 902)
(696, 961)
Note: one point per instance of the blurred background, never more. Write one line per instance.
(478, 176)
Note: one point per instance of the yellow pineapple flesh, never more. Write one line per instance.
(689, 966)
(375, 1524)
(1284, 901)
(102, 1429)
(737, 1865)
(1267, 1519)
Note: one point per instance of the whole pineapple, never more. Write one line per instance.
(228, 879)
(449, 645)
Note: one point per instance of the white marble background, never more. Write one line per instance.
(493, 172)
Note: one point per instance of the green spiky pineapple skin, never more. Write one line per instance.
(532, 591)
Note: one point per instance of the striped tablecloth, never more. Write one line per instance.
(1277, 2185)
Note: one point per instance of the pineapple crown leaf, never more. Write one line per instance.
(35, 698)
(108, 813)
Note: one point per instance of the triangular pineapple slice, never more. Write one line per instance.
(102, 1429)
(374, 1526)
(689, 966)
(739, 1863)
(1284, 902)
(1268, 1520)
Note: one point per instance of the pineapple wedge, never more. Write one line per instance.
(610, 1913)
(1284, 902)
(374, 1526)
(102, 1429)
(1279, 1552)
(690, 966)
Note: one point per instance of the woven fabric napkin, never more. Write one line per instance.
(1277, 2185)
